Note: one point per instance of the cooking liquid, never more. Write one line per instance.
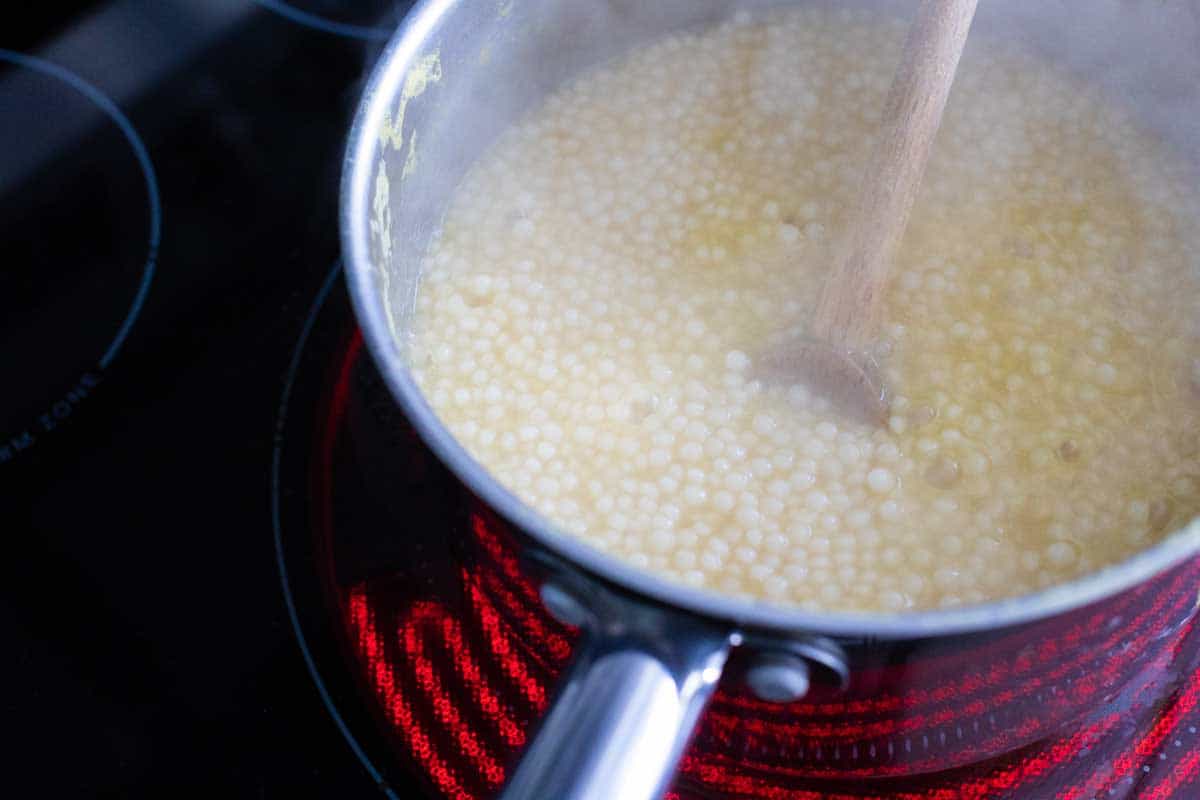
(591, 313)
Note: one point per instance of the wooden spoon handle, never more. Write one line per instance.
(848, 310)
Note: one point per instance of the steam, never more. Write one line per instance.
(1144, 53)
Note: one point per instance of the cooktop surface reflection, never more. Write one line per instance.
(168, 198)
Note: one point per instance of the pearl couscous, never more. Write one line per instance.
(591, 313)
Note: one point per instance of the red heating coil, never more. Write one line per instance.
(391, 689)
(461, 693)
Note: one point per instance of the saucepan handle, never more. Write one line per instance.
(625, 710)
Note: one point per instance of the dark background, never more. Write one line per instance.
(147, 649)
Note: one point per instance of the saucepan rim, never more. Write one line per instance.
(362, 154)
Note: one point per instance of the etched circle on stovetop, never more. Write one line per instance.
(300, 583)
(79, 231)
(357, 19)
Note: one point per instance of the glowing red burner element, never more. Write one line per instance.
(394, 697)
(463, 688)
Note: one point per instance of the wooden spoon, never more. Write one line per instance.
(835, 359)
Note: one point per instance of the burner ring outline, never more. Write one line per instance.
(142, 155)
(311, 20)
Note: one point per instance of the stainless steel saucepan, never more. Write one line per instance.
(455, 75)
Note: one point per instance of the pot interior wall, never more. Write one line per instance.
(485, 65)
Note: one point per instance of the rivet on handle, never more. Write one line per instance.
(779, 678)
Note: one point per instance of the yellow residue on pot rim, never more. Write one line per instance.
(426, 71)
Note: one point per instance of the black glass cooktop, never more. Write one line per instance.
(168, 197)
